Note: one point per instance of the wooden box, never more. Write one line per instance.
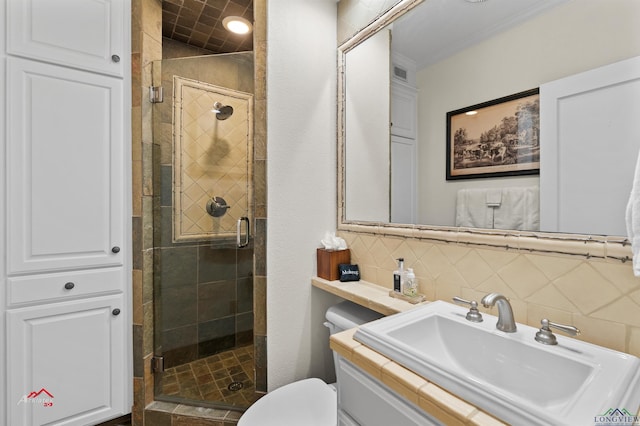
(328, 261)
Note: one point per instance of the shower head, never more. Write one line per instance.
(222, 111)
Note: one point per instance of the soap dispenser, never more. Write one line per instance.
(398, 276)
(410, 285)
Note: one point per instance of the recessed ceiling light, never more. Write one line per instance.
(237, 24)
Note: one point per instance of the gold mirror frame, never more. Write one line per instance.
(588, 246)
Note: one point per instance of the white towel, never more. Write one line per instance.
(472, 210)
(519, 210)
(494, 197)
(633, 219)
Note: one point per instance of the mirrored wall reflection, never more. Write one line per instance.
(444, 57)
(203, 282)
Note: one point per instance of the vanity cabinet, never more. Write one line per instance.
(65, 209)
(365, 401)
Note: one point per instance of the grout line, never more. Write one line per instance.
(244, 397)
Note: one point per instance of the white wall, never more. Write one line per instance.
(301, 182)
(574, 37)
(3, 360)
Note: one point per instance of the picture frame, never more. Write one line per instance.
(497, 138)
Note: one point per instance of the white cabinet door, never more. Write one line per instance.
(403, 180)
(66, 362)
(65, 190)
(404, 111)
(364, 400)
(77, 33)
(588, 122)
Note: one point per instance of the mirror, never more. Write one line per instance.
(447, 55)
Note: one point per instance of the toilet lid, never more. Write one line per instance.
(309, 402)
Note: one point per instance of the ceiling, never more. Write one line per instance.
(199, 23)
(437, 29)
(431, 32)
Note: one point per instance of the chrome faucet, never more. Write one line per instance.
(505, 322)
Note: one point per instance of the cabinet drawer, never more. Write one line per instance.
(367, 401)
(60, 286)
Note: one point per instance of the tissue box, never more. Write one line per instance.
(328, 261)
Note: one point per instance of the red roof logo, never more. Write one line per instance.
(37, 394)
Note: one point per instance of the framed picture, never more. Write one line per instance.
(496, 138)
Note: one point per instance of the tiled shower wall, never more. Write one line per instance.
(600, 297)
(146, 48)
(205, 287)
(207, 306)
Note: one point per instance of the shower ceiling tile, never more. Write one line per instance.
(199, 23)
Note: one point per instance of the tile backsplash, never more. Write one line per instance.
(600, 297)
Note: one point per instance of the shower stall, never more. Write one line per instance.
(203, 247)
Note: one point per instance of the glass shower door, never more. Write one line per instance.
(203, 277)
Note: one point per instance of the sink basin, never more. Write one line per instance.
(509, 375)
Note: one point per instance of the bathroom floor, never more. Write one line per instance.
(226, 377)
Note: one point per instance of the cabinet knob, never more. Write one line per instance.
(115, 249)
(115, 58)
(69, 285)
(116, 312)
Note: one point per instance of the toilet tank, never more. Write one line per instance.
(346, 315)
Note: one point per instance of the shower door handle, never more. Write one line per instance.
(239, 241)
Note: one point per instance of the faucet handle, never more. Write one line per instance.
(545, 336)
(474, 314)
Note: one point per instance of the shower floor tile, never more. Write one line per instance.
(226, 377)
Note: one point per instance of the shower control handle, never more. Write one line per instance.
(217, 207)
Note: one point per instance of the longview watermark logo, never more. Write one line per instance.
(616, 417)
(42, 396)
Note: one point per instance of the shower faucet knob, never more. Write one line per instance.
(217, 206)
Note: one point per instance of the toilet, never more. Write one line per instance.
(308, 402)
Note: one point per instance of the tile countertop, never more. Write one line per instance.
(444, 406)
(364, 293)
